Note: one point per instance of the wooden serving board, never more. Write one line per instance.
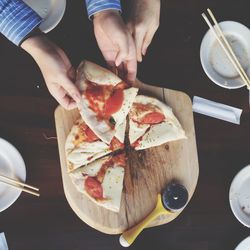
(147, 173)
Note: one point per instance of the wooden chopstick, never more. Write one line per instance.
(228, 52)
(227, 44)
(19, 185)
(18, 182)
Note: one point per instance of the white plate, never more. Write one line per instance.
(216, 63)
(50, 10)
(239, 196)
(11, 165)
(244, 245)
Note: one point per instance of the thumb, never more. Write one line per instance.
(71, 89)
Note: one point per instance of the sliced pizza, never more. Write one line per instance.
(83, 146)
(102, 181)
(152, 123)
(106, 99)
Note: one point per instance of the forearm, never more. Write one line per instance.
(37, 46)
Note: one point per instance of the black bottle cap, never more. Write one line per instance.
(174, 197)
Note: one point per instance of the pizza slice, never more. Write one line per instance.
(83, 146)
(152, 123)
(102, 181)
(106, 99)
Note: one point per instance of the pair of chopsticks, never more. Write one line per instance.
(226, 47)
(19, 185)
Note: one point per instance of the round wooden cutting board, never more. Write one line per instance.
(147, 173)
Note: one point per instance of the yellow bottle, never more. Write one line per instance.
(173, 199)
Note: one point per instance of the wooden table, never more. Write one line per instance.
(26, 111)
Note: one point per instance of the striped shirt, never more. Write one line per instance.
(17, 19)
(94, 6)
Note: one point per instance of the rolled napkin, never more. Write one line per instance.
(3, 242)
(216, 110)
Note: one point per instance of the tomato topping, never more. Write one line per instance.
(114, 103)
(105, 100)
(120, 160)
(100, 176)
(152, 118)
(116, 144)
(97, 96)
(136, 143)
(93, 188)
(91, 136)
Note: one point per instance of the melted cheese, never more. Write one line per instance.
(112, 187)
(136, 130)
(79, 159)
(157, 134)
(129, 96)
(120, 131)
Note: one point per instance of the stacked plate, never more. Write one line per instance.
(11, 165)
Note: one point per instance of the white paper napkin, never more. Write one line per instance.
(3, 242)
(216, 110)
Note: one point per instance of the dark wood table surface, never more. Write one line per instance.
(27, 114)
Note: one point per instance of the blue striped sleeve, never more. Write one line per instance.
(17, 20)
(94, 6)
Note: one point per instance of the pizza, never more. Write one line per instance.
(105, 99)
(83, 146)
(95, 146)
(152, 123)
(102, 180)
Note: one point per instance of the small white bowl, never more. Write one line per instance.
(239, 196)
(244, 245)
(215, 61)
(51, 11)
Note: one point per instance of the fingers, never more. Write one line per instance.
(72, 74)
(131, 69)
(122, 54)
(71, 89)
(139, 37)
(131, 63)
(148, 39)
(65, 92)
(60, 94)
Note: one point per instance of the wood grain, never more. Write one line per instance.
(147, 173)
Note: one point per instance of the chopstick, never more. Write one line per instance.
(19, 185)
(226, 47)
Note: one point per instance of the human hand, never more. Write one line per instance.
(142, 23)
(56, 68)
(116, 43)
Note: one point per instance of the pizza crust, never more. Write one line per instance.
(97, 74)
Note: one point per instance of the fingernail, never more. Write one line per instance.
(144, 51)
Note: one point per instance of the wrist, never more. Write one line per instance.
(38, 47)
(106, 13)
